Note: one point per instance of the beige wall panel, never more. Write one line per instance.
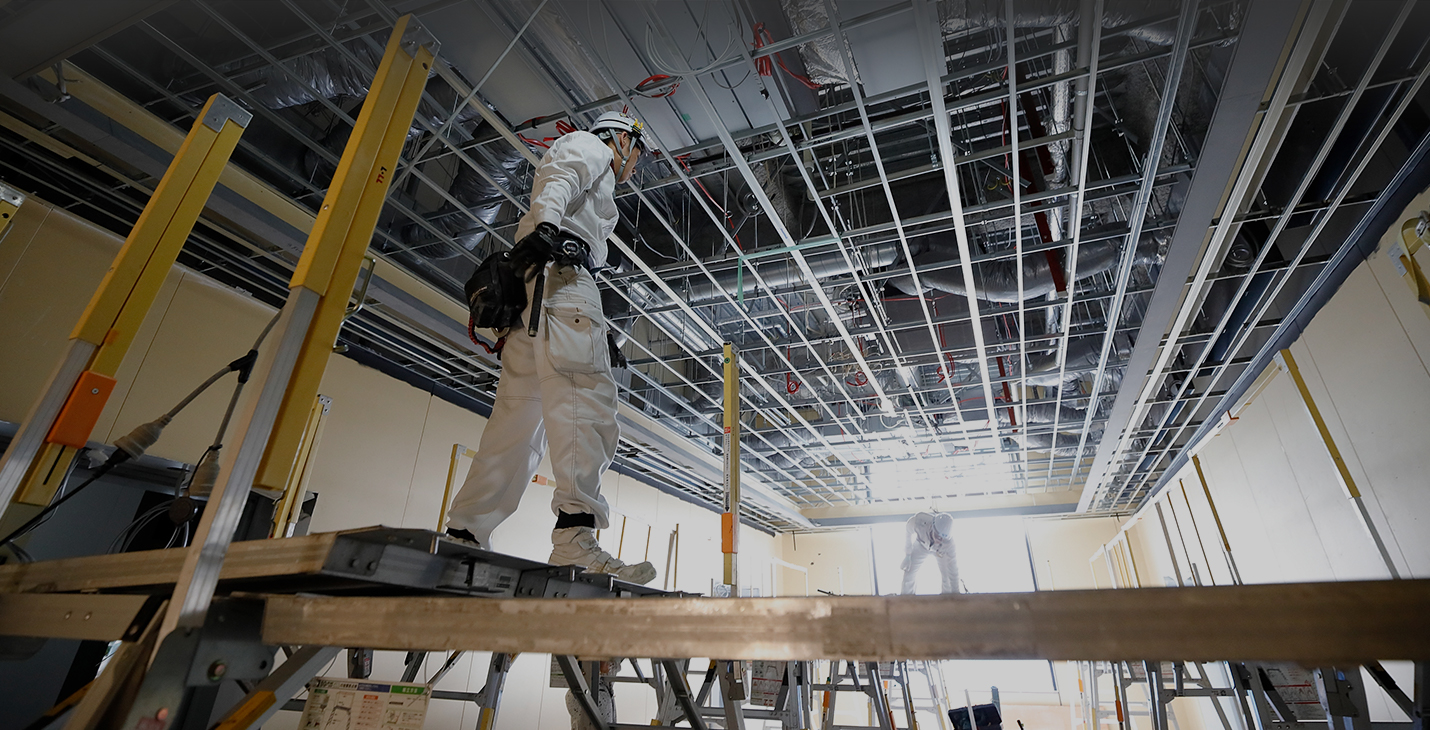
(196, 327)
(48, 287)
(52, 262)
(1379, 422)
(445, 425)
(1237, 504)
(1062, 546)
(1149, 547)
(363, 467)
(1344, 550)
(828, 556)
(19, 236)
(1287, 517)
(1261, 440)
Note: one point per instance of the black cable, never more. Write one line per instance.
(243, 366)
(119, 457)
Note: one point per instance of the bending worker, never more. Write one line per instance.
(556, 387)
(930, 533)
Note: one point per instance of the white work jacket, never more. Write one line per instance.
(574, 190)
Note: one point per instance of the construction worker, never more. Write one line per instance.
(556, 387)
(930, 533)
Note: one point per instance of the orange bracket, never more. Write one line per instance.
(727, 533)
(81, 411)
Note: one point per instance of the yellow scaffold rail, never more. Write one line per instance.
(270, 427)
(64, 414)
(334, 253)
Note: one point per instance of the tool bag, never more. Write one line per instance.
(496, 296)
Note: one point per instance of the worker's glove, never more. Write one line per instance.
(618, 358)
(532, 252)
(904, 566)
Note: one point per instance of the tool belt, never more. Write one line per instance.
(496, 292)
(569, 251)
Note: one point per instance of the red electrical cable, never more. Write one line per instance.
(563, 128)
(658, 86)
(763, 65)
(729, 219)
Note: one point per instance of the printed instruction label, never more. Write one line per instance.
(765, 680)
(350, 704)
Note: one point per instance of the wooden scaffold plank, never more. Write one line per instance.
(1312, 623)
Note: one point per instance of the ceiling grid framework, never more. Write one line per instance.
(965, 248)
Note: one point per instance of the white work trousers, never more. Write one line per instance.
(947, 566)
(555, 388)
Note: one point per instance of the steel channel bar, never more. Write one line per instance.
(1267, 298)
(755, 326)
(1266, 141)
(1283, 221)
(964, 104)
(936, 95)
(1186, 25)
(194, 83)
(238, 91)
(938, 223)
(1079, 199)
(876, 313)
(703, 362)
(300, 181)
(708, 417)
(1015, 183)
(420, 119)
(1307, 300)
(346, 118)
(758, 191)
(891, 95)
(467, 99)
(1047, 341)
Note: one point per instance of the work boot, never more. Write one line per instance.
(463, 534)
(578, 546)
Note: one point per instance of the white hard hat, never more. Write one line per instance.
(619, 122)
(943, 525)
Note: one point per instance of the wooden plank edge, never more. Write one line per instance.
(249, 559)
(1310, 623)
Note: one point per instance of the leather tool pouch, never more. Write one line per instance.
(496, 295)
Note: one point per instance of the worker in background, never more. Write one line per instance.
(930, 533)
(556, 387)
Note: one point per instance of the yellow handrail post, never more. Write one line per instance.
(730, 520)
(291, 365)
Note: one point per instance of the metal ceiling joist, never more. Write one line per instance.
(1367, 152)
(1186, 26)
(1254, 69)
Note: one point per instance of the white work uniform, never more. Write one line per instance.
(922, 541)
(556, 389)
